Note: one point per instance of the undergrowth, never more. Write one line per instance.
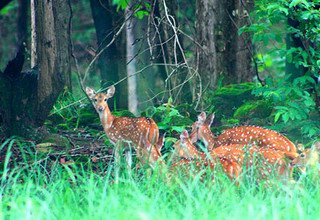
(51, 190)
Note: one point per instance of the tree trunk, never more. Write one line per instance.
(51, 51)
(223, 55)
(27, 97)
(206, 57)
(105, 16)
(131, 63)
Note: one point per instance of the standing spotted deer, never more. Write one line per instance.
(142, 133)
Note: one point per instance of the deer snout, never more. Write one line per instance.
(100, 108)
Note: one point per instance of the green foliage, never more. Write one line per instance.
(168, 118)
(292, 94)
(70, 112)
(9, 8)
(253, 109)
(225, 100)
(140, 8)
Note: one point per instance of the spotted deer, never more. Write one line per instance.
(241, 135)
(264, 159)
(141, 133)
(308, 159)
(192, 160)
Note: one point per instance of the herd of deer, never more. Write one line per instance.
(244, 146)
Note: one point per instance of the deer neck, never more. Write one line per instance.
(106, 118)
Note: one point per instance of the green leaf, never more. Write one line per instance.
(285, 117)
(295, 3)
(277, 116)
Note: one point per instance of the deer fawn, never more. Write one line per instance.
(234, 156)
(241, 135)
(308, 158)
(192, 158)
(142, 132)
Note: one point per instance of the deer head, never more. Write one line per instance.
(307, 157)
(202, 131)
(184, 147)
(100, 100)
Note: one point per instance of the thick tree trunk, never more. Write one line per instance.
(222, 53)
(104, 16)
(51, 51)
(206, 57)
(18, 97)
(27, 97)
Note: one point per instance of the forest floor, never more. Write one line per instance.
(70, 175)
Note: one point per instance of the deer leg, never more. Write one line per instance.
(117, 161)
(128, 155)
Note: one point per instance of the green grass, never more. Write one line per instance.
(49, 190)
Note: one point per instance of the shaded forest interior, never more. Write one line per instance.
(169, 60)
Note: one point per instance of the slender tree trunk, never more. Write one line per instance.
(131, 63)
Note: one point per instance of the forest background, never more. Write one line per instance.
(250, 62)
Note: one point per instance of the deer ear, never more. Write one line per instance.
(111, 91)
(90, 92)
(184, 135)
(317, 146)
(300, 147)
(201, 118)
(209, 120)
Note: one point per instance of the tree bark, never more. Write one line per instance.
(131, 63)
(27, 97)
(105, 17)
(223, 54)
(206, 56)
(51, 51)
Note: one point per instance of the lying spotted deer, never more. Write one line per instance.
(308, 159)
(241, 135)
(237, 155)
(192, 160)
(127, 130)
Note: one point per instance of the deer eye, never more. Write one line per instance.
(95, 100)
(302, 155)
(105, 99)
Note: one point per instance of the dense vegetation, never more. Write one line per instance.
(62, 167)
